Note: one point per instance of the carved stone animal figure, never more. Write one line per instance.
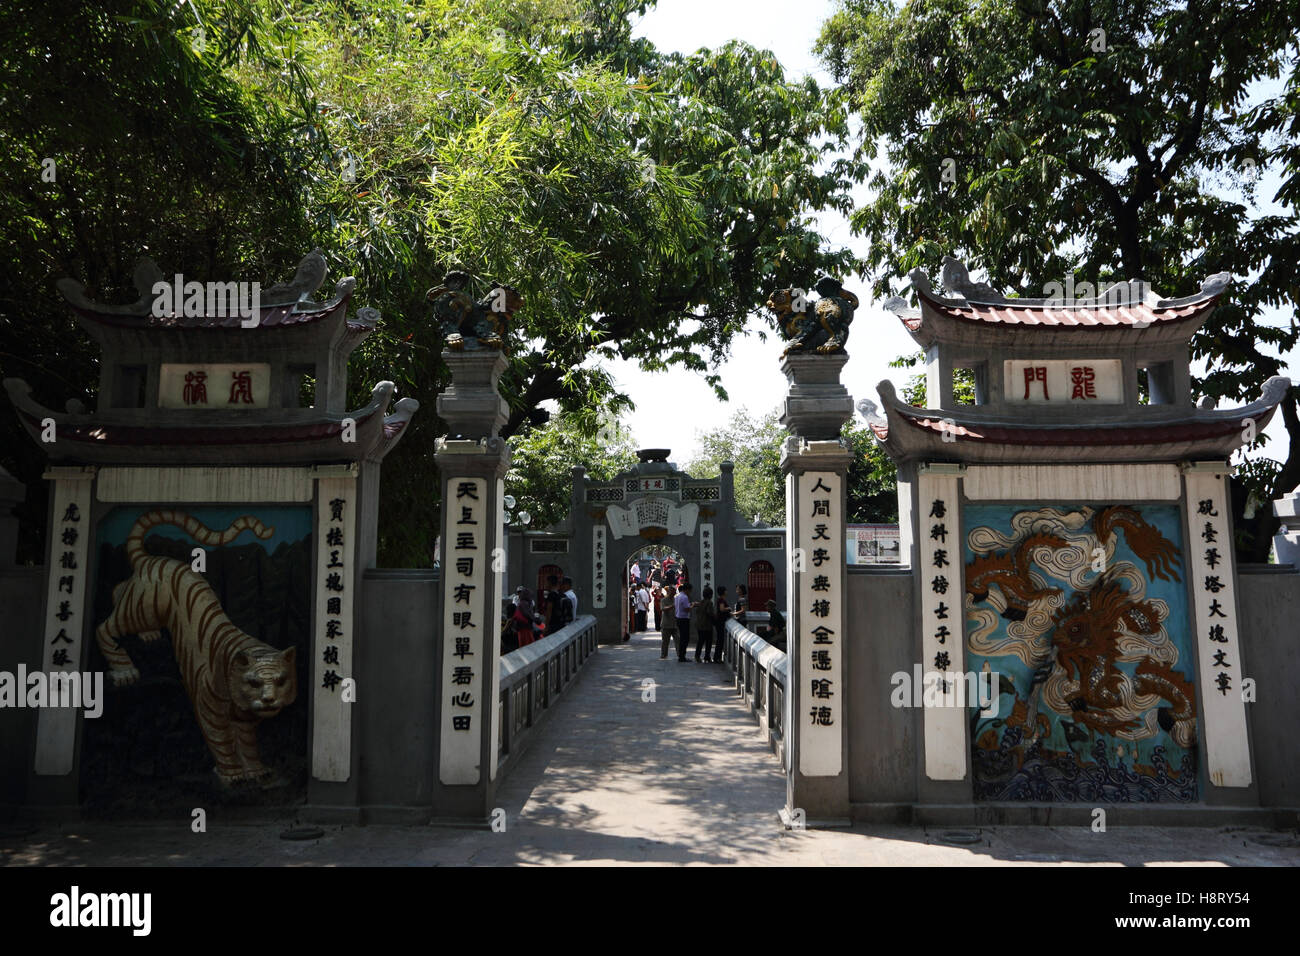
(464, 322)
(233, 679)
(821, 327)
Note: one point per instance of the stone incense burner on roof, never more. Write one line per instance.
(1057, 379)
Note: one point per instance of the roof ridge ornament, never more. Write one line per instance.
(957, 281)
(146, 275)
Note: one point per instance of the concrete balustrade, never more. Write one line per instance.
(532, 680)
(760, 676)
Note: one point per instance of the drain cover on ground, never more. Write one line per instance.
(302, 833)
(962, 837)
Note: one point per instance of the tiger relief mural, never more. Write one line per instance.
(1083, 614)
(233, 680)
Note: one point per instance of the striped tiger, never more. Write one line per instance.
(233, 679)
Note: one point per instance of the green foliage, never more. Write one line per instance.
(154, 150)
(914, 392)
(643, 203)
(753, 445)
(540, 476)
(1129, 155)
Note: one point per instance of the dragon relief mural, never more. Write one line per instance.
(1083, 615)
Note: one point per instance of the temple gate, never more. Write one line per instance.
(1071, 548)
(221, 496)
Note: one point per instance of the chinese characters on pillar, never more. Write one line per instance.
(820, 615)
(939, 578)
(65, 615)
(598, 558)
(706, 556)
(1060, 381)
(466, 629)
(333, 569)
(64, 612)
(332, 645)
(1218, 646)
(943, 608)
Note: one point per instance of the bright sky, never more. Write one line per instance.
(751, 376)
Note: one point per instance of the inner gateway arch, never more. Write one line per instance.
(653, 502)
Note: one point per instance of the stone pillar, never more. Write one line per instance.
(1287, 540)
(815, 463)
(472, 462)
(12, 493)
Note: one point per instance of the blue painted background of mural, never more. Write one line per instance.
(1096, 669)
(292, 523)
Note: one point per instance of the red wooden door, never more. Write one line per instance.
(544, 572)
(761, 581)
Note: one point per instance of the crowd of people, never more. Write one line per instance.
(669, 594)
(666, 594)
(531, 620)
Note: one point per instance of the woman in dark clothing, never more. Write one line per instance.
(703, 613)
(720, 625)
(776, 627)
(525, 616)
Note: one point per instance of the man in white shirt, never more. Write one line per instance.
(642, 605)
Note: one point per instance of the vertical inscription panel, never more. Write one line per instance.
(65, 607)
(598, 577)
(706, 557)
(492, 649)
(943, 609)
(466, 630)
(331, 747)
(820, 629)
(1218, 641)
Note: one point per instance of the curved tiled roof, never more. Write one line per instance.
(1122, 306)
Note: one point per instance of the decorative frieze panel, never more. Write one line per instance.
(702, 493)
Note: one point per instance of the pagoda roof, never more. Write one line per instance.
(86, 437)
(283, 305)
(907, 432)
(967, 312)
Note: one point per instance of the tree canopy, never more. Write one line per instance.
(1042, 138)
(542, 462)
(753, 445)
(642, 202)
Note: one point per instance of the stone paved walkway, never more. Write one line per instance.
(683, 779)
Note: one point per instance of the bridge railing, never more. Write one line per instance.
(532, 680)
(760, 674)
